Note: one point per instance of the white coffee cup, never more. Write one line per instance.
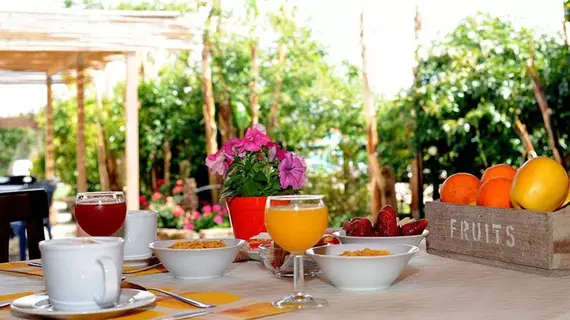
(140, 230)
(82, 273)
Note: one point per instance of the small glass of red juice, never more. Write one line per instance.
(100, 213)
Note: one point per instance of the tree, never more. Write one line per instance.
(253, 14)
(209, 107)
(476, 100)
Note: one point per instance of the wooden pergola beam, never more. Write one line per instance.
(27, 121)
(80, 154)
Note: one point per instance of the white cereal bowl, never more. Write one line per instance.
(362, 273)
(409, 240)
(196, 263)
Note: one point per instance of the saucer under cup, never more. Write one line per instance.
(82, 273)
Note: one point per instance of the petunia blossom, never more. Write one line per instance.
(189, 226)
(292, 171)
(274, 151)
(207, 208)
(217, 207)
(156, 196)
(216, 162)
(218, 220)
(259, 127)
(254, 139)
(232, 149)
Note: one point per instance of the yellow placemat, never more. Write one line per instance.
(24, 268)
(229, 306)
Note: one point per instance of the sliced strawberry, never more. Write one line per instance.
(414, 228)
(363, 229)
(387, 224)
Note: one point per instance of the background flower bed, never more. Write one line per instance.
(172, 214)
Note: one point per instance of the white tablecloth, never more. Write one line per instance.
(430, 288)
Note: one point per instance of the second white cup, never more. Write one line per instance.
(140, 230)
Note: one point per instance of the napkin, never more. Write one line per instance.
(24, 268)
(229, 306)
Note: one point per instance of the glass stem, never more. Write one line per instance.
(298, 275)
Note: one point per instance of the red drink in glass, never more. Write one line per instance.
(100, 213)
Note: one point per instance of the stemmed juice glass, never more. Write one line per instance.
(296, 223)
(100, 213)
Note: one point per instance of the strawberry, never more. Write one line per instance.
(390, 209)
(414, 228)
(363, 229)
(387, 224)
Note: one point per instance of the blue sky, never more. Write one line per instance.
(335, 23)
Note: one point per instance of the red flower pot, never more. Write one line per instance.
(247, 215)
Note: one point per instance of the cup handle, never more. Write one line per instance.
(111, 281)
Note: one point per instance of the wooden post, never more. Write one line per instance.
(80, 155)
(132, 138)
(50, 155)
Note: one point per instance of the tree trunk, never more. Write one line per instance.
(520, 128)
(540, 96)
(274, 111)
(371, 132)
(167, 159)
(209, 108)
(416, 181)
(253, 96)
(80, 148)
(227, 129)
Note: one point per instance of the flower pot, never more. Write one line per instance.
(247, 216)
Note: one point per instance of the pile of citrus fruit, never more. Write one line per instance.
(540, 184)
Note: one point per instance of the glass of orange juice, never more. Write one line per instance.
(296, 223)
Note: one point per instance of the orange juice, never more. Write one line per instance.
(296, 228)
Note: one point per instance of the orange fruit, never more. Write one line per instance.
(460, 188)
(498, 171)
(495, 193)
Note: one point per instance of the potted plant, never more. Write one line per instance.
(254, 168)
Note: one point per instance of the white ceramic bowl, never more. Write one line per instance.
(196, 263)
(410, 240)
(362, 273)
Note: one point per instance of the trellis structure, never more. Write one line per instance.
(64, 40)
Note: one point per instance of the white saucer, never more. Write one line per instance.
(38, 305)
(139, 261)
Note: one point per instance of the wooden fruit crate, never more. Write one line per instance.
(528, 241)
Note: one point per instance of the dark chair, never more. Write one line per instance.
(31, 206)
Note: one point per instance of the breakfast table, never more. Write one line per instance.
(431, 287)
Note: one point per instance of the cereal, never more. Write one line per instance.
(367, 252)
(197, 244)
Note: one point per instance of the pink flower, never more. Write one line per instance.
(179, 182)
(156, 196)
(216, 162)
(207, 208)
(231, 149)
(260, 128)
(223, 212)
(217, 207)
(275, 152)
(292, 171)
(177, 189)
(196, 215)
(189, 226)
(218, 220)
(254, 139)
(178, 211)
